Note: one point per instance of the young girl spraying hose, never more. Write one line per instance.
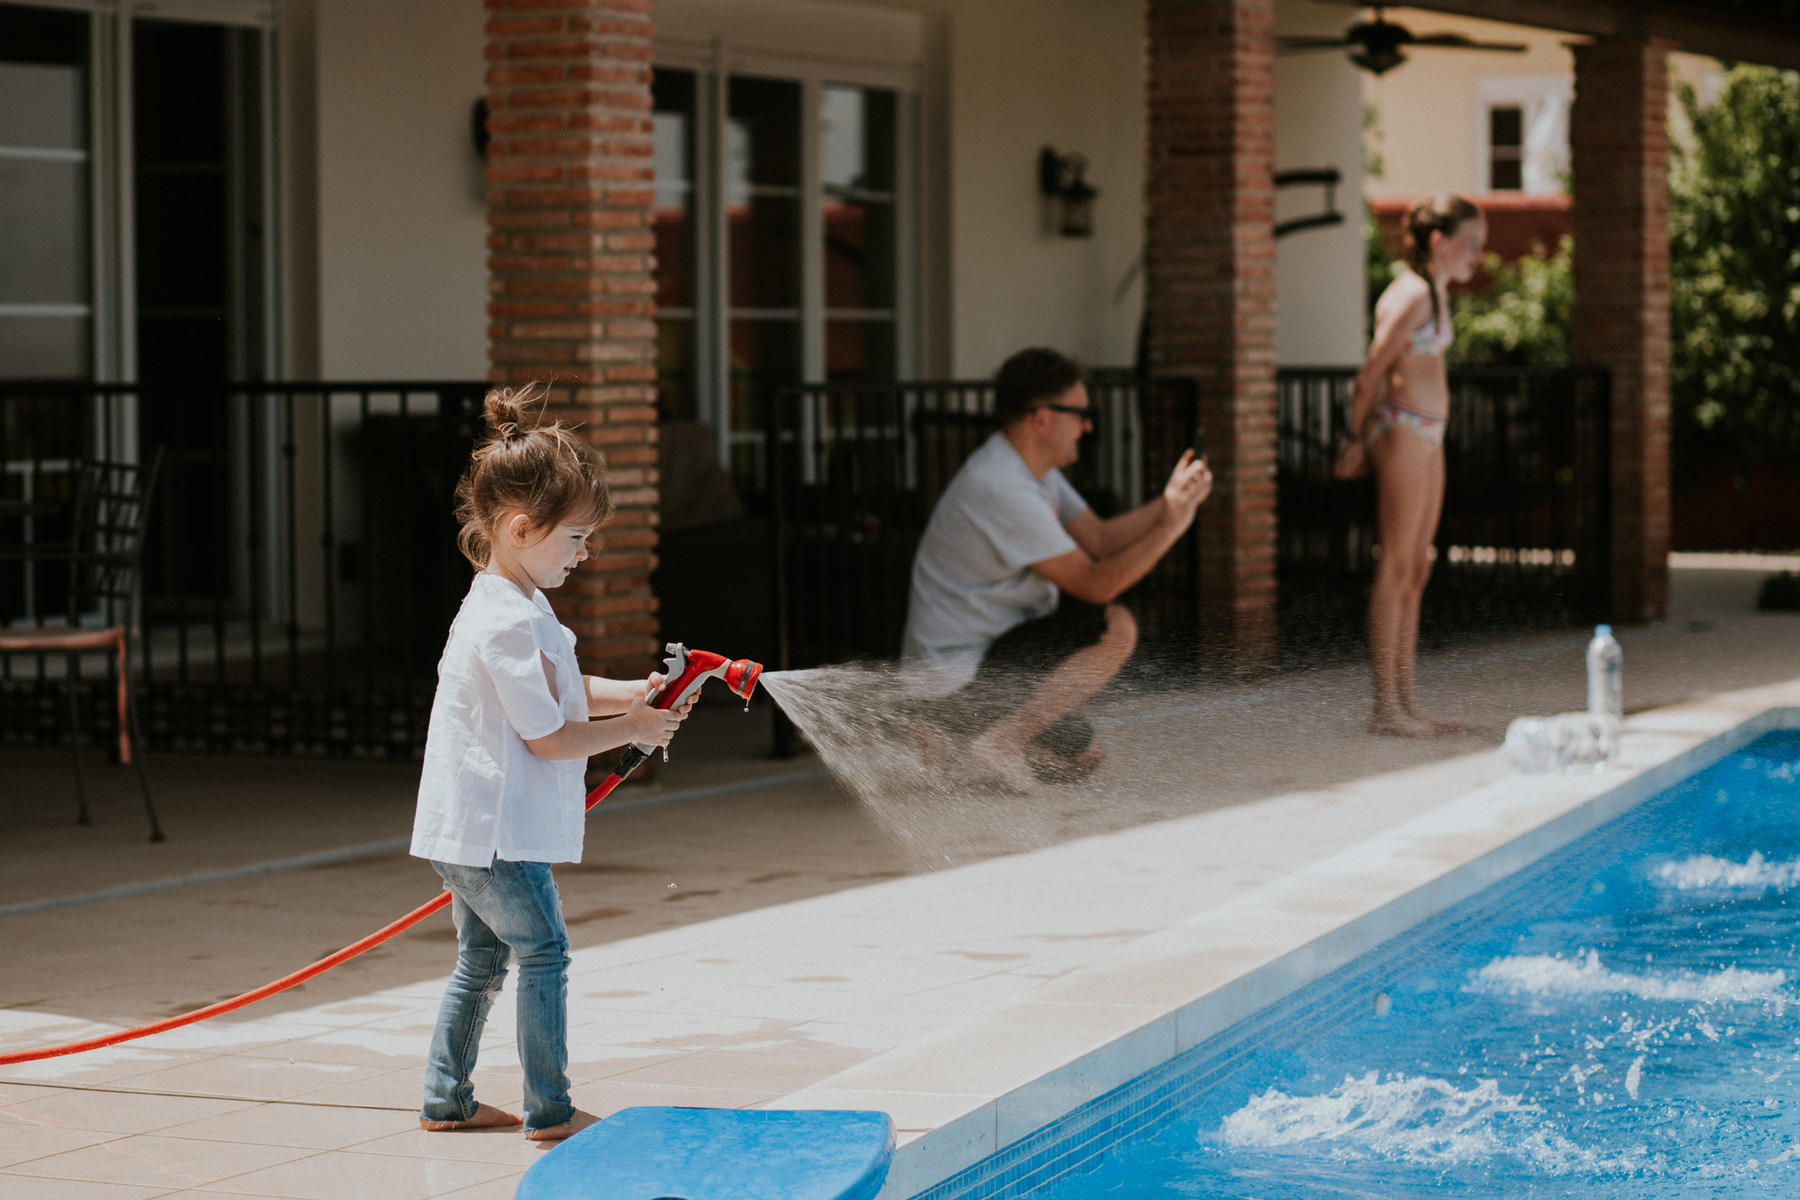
(500, 797)
(1398, 412)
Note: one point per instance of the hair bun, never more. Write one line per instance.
(505, 413)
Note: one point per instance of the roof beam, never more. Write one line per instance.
(1693, 27)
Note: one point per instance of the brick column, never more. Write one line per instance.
(1619, 147)
(1210, 260)
(571, 295)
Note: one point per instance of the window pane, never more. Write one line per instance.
(43, 347)
(765, 252)
(762, 193)
(1506, 175)
(1506, 126)
(42, 105)
(859, 351)
(857, 173)
(673, 220)
(43, 231)
(857, 139)
(859, 254)
(185, 321)
(763, 141)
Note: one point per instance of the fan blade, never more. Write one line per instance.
(1456, 41)
(1313, 43)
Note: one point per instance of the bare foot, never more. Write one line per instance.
(1008, 763)
(569, 1128)
(1397, 722)
(1441, 724)
(1051, 767)
(486, 1117)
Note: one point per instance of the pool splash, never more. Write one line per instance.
(1420, 1120)
(1707, 873)
(1584, 975)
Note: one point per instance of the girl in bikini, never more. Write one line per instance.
(1398, 411)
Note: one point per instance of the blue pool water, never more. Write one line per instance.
(1621, 1020)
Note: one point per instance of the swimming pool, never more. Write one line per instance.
(1616, 1020)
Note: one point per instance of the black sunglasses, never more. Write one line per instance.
(1086, 414)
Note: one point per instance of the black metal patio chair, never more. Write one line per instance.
(104, 559)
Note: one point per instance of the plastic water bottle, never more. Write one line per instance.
(1575, 741)
(1603, 658)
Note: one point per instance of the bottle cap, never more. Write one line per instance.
(1603, 631)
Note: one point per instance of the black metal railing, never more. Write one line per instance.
(857, 469)
(1523, 540)
(300, 568)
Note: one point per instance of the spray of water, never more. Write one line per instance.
(913, 773)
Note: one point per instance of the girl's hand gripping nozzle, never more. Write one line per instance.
(687, 671)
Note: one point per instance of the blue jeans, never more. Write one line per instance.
(502, 911)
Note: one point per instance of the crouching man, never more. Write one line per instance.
(991, 636)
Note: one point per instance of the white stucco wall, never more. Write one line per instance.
(402, 271)
(400, 264)
(1024, 74)
(1318, 123)
(1429, 137)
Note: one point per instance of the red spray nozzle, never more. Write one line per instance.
(688, 669)
(741, 675)
(686, 672)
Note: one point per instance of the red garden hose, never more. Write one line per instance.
(686, 671)
(286, 981)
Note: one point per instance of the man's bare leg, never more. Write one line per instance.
(486, 1117)
(1068, 685)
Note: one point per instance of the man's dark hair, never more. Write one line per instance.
(1031, 377)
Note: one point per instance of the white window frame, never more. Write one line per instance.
(1530, 94)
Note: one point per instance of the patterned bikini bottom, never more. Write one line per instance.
(1428, 427)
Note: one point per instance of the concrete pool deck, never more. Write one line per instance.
(973, 1003)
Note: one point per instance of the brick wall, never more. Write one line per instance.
(1620, 159)
(1210, 267)
(570, 275)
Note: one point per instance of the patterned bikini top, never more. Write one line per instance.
(1432, 338)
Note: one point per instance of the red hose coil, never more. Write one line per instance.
(269, 989)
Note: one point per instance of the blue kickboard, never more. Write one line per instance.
(718, 1154)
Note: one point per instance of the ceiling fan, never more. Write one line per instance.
(1378, 43)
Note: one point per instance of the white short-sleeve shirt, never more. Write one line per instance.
(972, 580)
(483, 794)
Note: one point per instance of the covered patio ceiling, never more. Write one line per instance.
(1762, 31)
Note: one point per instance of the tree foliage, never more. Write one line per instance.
(1734, 249)
(1526, 315)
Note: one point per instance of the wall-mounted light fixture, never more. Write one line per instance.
(1060, 178)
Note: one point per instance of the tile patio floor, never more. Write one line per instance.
(797, 943)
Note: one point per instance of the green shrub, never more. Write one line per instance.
(1734, 271)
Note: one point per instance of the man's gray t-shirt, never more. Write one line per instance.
(972, 580)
